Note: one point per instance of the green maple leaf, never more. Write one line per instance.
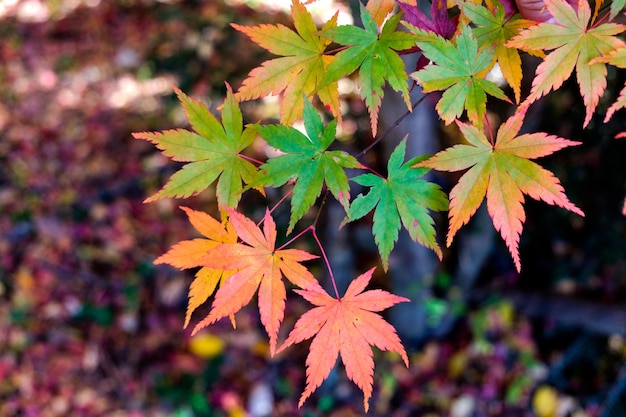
(308, 161)
(494, 28)
(375, 54)
(459, 69)
(213, 152)
(402, 198)
(574, 43)
(298, 71)
(616, 7)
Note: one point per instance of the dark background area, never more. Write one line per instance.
(90, 327)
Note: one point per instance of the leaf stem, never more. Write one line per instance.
(599, 21)
(490, 130)
(290, 241)
(392, 127)
(283, 198)
(336, 50)
(249, 158)
(372, 170)
(326, 261)
(313, 231)
(319, 244)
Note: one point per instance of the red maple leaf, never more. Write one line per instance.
(345, 326)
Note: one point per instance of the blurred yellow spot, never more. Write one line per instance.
(507, 314)
(261, 348)
(237, 412)
(457, 364)
(206, 346)
(545, 401)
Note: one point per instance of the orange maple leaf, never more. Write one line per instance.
(189, 253)
(299, 69)
(380, 9)
(259, 266)
(346, 326)
(504, 173)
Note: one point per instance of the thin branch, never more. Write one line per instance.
(319, 210)
(392, 127)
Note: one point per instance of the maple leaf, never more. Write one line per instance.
(574, 43)
(458, 69)
(308, 160)
(189, 253)
(300, 69)
(616, 7)
(380, 9)
(213, 152)
(438, 23)
(617, 58)
(402, 198)
(375, 54)
(259, 266)
(345, 326)
(503, 172)
(494, 27)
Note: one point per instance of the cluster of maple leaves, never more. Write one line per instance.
(458, 47)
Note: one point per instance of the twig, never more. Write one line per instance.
(392, 127)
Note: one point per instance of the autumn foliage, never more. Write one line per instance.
(458, 46)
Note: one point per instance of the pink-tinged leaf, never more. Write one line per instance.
(345, 327)
(466, 196)
(575, 44)
(250, 232)
(617, 58)
(322, 358)
(504, 203)
(259, 266)
(619, 104)
(236, 292)
(503, 173)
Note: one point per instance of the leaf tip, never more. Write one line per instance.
(151, 199)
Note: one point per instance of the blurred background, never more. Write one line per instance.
(90, 327)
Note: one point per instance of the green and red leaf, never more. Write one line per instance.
(503, 173)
